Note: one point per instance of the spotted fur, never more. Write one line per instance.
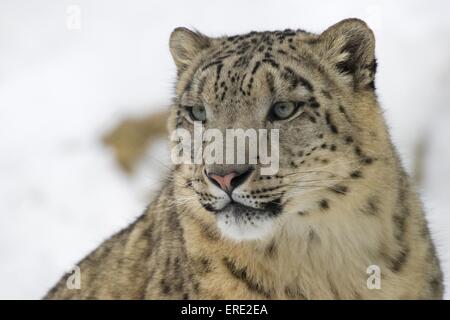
(340, 203)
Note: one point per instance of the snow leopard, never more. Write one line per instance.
(340, 219)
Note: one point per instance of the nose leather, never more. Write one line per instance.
(223, 181)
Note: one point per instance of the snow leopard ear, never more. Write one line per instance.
(185, 46)
(350, 46)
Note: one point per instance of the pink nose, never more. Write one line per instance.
(223, 181)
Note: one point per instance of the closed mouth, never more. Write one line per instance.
(272, 209)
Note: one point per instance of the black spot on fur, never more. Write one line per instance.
(211, 64)
(367, 160)
(274, 206)
(330, 124)
(271, 249)
(342, 110)
(326, 94)
(311, 235)
(272, 62)
(270, 82)
(356, 174)
(371, 207)
(398, 261)
(312, 119)
(241, 274)
(339, 189)
(401, 215)
(436, 286)
(204, 265)
(295, 79)
(206, 230)
(323, 204)
(256, 67)
(165, 288)
(373, 70)
(313, 103)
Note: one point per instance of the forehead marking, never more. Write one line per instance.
(295, 79)
(242, 48)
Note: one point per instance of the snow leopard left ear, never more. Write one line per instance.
(350, 46)
(185, 46)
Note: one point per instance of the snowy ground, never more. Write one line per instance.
(60, 89)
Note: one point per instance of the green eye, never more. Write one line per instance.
(283, 110)
(197, 113)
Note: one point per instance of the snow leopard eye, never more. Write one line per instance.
(197, 113)
(283, 110)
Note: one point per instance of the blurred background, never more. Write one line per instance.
(72, 71)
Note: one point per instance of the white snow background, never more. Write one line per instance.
(61, 192)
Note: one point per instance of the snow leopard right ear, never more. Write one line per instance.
(350, 46)
(185, 46)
